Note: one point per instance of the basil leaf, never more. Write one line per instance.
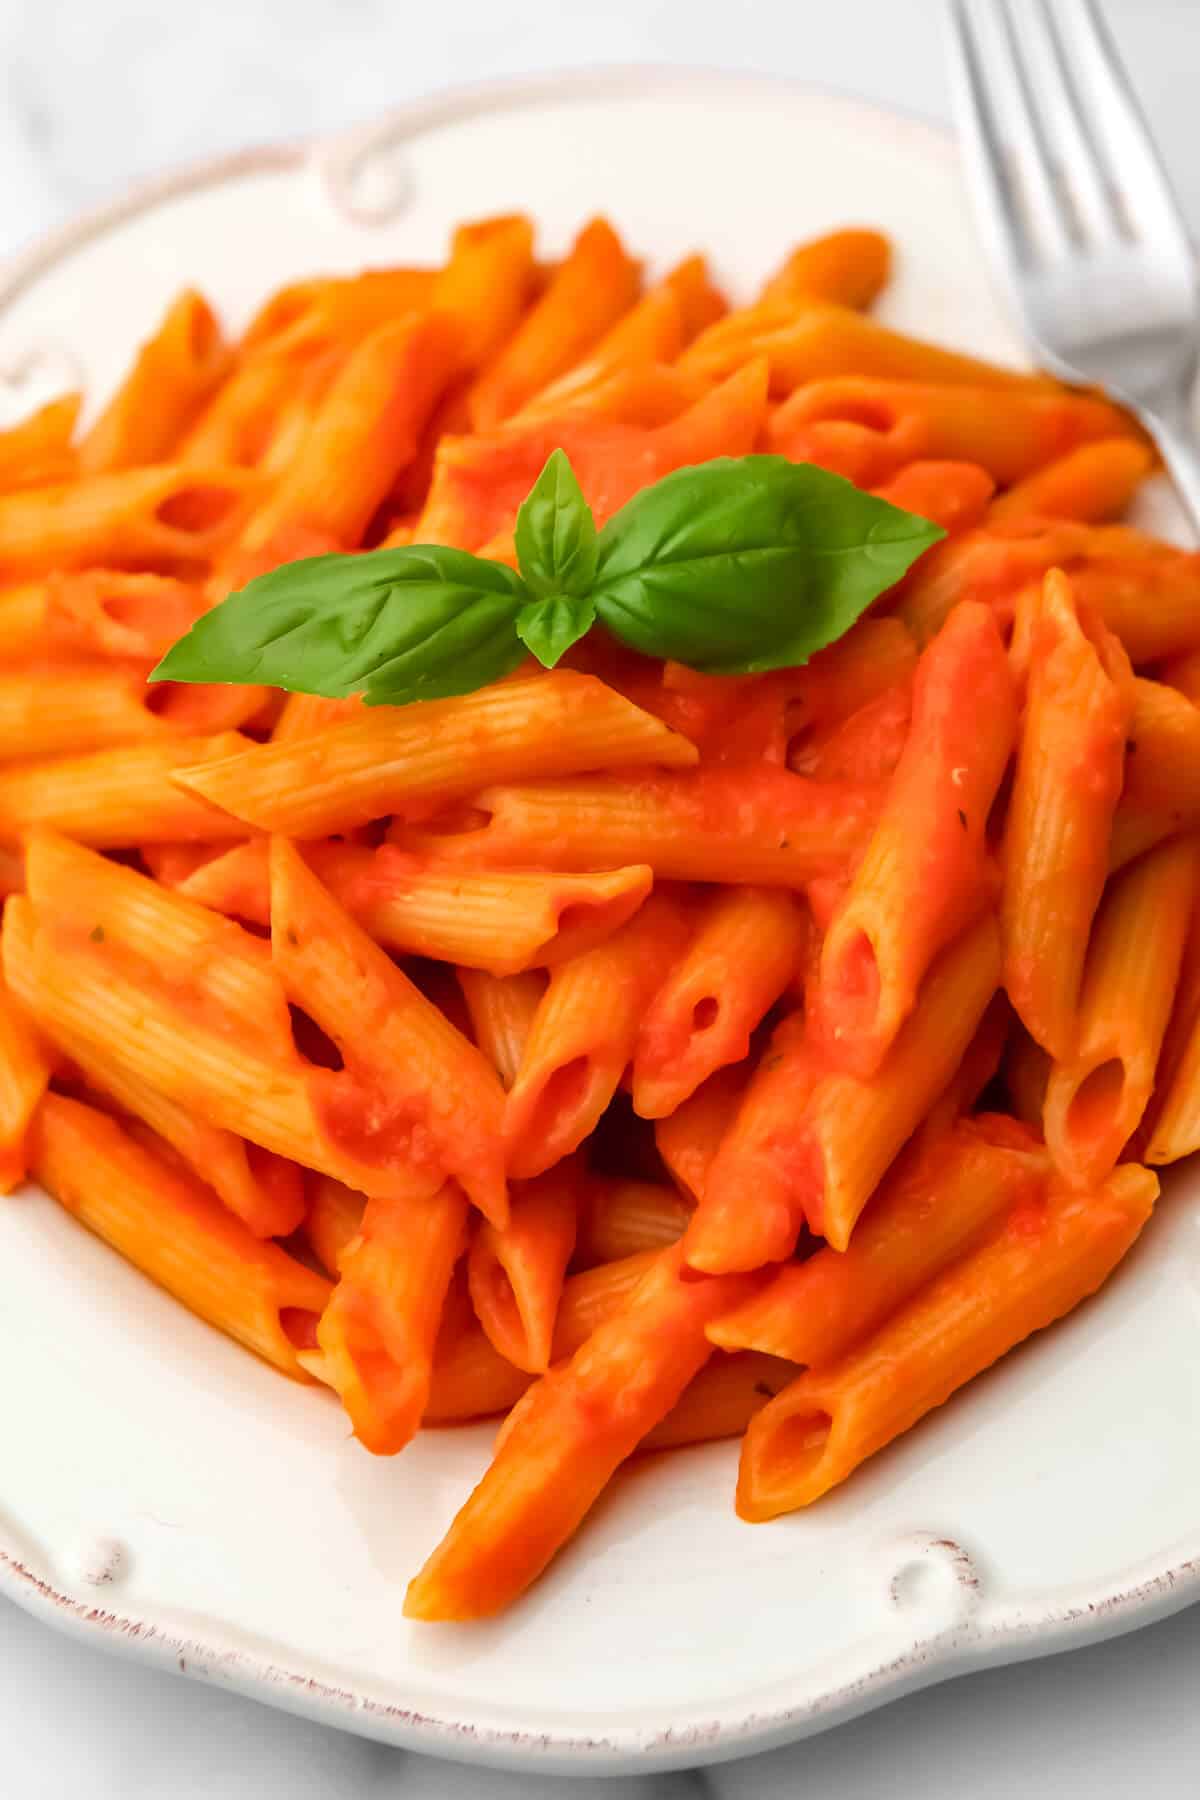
(420, 622)
(556, 533)
(742, 565)
(550, 627)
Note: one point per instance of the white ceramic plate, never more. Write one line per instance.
(163, 1493)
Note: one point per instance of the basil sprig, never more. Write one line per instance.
(735, 566)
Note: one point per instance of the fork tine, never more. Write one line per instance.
(1099, 206)
(984, 151)
(1137, 178)
(1016, 143)
(1032, 145)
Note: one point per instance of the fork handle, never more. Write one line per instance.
(1175, 434)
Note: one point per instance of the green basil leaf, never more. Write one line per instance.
(420, 622)
(745, 564)
(549, 627)
(556, 533)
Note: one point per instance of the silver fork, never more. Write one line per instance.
(1079, 213)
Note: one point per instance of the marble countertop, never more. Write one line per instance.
(94, 93)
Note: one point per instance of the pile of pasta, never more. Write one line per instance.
(643, 1056)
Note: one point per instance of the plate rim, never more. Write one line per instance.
(1171, 1579)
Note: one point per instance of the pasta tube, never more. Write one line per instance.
(410, 759)
(566, 1440)
(1096, 1093)
(1042, 1262)
(170, 1226)
(1070, 765)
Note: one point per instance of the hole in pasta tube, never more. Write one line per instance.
(197, 509)
(784, 1449)
(156, 699)
(584, 915)
(851, 982)
(1096, 1104)
(299, 1327)
(313, 1044)
(560, 1108)
(496, 1306)
(583, 923)
(705, 1013)
(802, 751)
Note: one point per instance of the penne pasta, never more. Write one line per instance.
(754, 1158)
(25, 1070)
(925, 872)
(409, 760)
(980, 1064)
(653, 331)
(364, 431)
(117, 797)
(619, 1218)
(1147, 593)
(649, 395)
(1009, 431)
(1098, 1091)
(110, 963)
(170, 1226)
(303, 715)
(173, 374)
(814, 340)
(502, 1009)
(471, 1380)
(616, 437)
(688, 1139)
(848, 267)
(377, 1334)
(486, 286)
(95, 613)
(1093, 483)
(73, 707)
(812, 1145)
(332, 1220)
(747, 948)
(644, 1055)
(565, 1441)
(865, 748)
(413, 1087)
(762, 825)
(590, 289)
(37, 451)
(583, 1036)
(239, 421)
(955, 495)
(1160, 794)
(308, 316)
(171, 518)
(937, 1202)
(503, 922)
(721, 1400)
(1070, 764)
(515, 1274)
(1041, 1263)
(262, 1190)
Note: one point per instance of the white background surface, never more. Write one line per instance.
(95, 92)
